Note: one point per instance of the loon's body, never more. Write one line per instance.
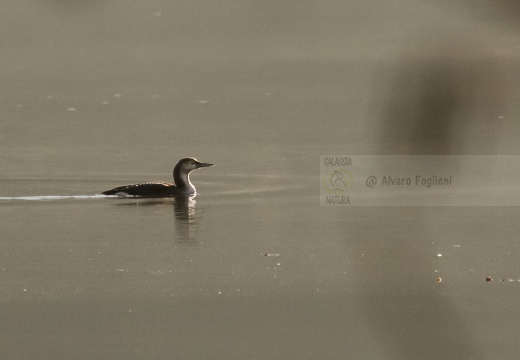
(181, 177)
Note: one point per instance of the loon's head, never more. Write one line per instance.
(181, 173)
(187, 165)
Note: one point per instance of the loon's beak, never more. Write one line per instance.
(201, 164)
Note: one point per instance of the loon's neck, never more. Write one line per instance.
(182, 180)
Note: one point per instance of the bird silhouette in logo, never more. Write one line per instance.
(338, 181)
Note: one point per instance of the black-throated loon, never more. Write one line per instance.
(181, 177)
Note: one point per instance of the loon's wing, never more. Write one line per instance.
(150, 189)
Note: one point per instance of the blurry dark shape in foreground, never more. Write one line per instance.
(442, 100)
(436, 100)
(403, 300)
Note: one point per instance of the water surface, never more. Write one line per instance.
(99, 95)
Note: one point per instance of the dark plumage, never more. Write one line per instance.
(181, 177)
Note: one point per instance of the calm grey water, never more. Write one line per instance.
(100, 94)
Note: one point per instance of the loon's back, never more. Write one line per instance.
(149, 189)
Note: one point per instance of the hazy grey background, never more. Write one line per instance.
(95, 94)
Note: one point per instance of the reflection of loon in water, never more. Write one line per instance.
(181, 177)
(184, 212)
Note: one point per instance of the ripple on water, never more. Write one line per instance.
(52, 197)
